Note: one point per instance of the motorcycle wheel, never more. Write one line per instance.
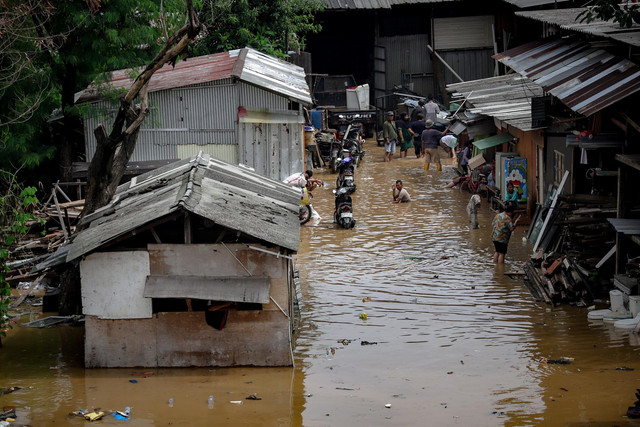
(334, 164)
(304, 214)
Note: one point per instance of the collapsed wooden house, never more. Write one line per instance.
(189, 265)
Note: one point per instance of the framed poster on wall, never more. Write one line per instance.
(515, 172)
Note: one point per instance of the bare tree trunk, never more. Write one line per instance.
(114, 150)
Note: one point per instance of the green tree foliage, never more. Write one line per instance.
(52, 49)
(625, 13)
(16, 205)
(273, 27)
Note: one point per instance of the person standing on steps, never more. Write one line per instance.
(390, 134)
(430, 140)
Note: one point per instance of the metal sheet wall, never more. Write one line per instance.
(252, 97)
(470, 64)
(272, 149)
(408, 61)
(185, 120)
(463, 32)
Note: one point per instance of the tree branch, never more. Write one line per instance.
(114, 151)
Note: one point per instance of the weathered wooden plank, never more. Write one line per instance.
(237, 289)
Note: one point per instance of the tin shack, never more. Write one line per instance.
(190, 265)
(240, 106)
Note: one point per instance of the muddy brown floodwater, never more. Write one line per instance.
(452, 339)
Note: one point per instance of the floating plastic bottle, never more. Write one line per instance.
(171, 402)
(127, 410)
(210, 402)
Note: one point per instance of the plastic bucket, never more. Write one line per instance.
(617, 300)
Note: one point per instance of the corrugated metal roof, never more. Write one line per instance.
(566, 19)
(231, 196)
(507, 98)
(246, 64)
(523, 4)
(375, 4)
(586, 79)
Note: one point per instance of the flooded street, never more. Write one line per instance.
(458, 342)
(448, 339)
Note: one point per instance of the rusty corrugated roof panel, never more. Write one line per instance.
(586, 79)
(566, 19)
(246, 64)
(507, 98)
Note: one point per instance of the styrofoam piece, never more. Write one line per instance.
(598, 314)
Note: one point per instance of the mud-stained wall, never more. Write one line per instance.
(250, 338)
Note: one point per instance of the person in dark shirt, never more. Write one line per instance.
(419, 109)
(416, 130)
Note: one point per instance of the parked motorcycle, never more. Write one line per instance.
(334, 160)
(343, 213)
(354, 147)
(346, 174)
(304, 209)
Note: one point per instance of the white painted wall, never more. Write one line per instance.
(113, 285)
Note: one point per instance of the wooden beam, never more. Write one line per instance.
(31, 288)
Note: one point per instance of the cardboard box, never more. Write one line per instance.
(477, 161)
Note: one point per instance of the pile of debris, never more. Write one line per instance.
(559, 279)
(574, 241)
(48, 231)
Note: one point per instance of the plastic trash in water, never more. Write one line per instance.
(236, 402)
(127, 410)
(171, 402)
(363, 315)
(210, 402)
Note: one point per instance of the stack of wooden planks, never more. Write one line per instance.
(557, 280)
